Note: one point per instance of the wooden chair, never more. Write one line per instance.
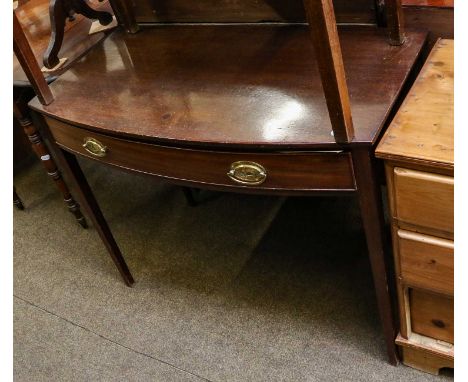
(34, 17)
(232, 96)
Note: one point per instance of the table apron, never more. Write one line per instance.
(281, 172)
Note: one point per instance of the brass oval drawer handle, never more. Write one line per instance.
(94, 147)
(248, 173)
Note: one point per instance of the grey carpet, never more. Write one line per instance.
(240, 288)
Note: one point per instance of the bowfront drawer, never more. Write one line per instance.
(288, 171)
(424, 200)
(426, 261)
(431, 315)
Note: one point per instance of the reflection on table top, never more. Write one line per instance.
(229, 85)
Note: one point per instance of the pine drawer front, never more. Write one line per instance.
(424, 200)
(426, 261)
(431, 315)
(314, 171)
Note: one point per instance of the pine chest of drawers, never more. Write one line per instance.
(418, 152)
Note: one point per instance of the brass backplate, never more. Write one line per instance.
(94, 147)
(247, 173)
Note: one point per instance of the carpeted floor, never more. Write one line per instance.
(240, 288)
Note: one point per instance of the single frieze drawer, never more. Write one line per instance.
(426, 261)
(431, 315)
(288, 171)
(424, 200)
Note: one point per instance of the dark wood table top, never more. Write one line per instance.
(229, 86)
(34, 18)
(429, 3)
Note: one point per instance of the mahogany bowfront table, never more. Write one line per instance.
(236, 108)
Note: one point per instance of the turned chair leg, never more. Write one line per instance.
(43, 154)
(16, 200)
(58, 18)
(59, 11)
(373, 221)
(104, 18)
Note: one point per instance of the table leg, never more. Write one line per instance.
(190, 197)
(74, 172)
(72, 169)
(16, 200)
(373, 221)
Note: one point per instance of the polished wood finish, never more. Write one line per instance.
(438, 21)
(418, 152)
(34, 18)
(29, 64)
(125, 14)
(293, 172)
(395, 22)
(58, 16)
(424, 200)
(426, 261)
(324, 32)
(186, 101)
(251, 85)
(432, 315)
(245, 11)
(21, 113)
(429, 3)
(373, 222)
(60, 11)
(72, 169)
(23, 154)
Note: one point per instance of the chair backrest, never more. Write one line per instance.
(246, 11)
(28, 62)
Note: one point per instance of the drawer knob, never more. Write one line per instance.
(439, 323)
(94, 147)
(248, 173)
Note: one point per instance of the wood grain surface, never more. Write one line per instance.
(25, 56)
(426, 261)
(425, 361)
(170, 11)
(432, 315)
(34, 19)
(422, 130)
(327, 47)
(424, 199)
(429, 3)
(438, 21)
(230, 85)
(293, 172)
